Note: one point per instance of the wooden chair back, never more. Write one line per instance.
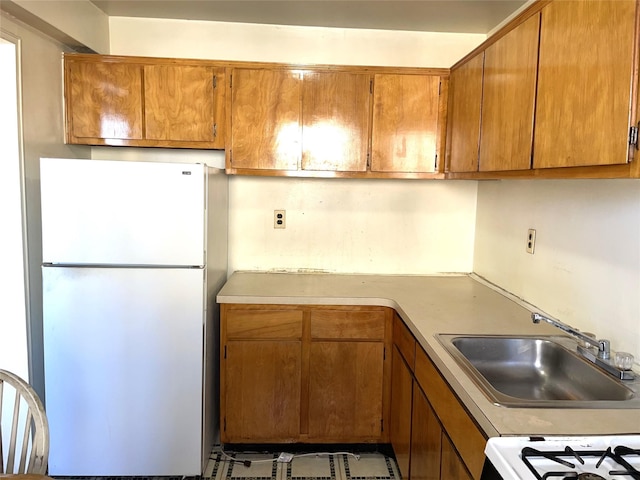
(24, 430)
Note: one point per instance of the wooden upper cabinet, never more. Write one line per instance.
(181, 103)
(404, 134)
(585, 80)
(508, 100)
(335, 121)
(103, 100)
(465, 101)
(265, 119)
(143, 102)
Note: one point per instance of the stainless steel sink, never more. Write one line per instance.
(537, 372)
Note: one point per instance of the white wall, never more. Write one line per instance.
(362, 226)
(586, 267)
(383, 226)
(77, 23)
(43, 136)
(277, 43)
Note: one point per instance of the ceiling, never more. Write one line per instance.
(461, 16)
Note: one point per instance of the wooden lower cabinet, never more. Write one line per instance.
(334, 374)
(426, 440)
(452, 467)
(262, 390)
(432, 435)
(304, 374)
(345, 390)
(456, 422)
(401, 417)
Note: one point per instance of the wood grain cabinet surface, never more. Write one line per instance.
(558, 88)
(465, 104)
(508, 99)
(335, 121)
(407, 118)
(143, 102)
(103, 100)
(426, 415)
(304, 374)
(264, 120)
(583, 107)
(181, 104)
(426, 440)
(401, 411)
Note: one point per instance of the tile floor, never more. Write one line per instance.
(317, 465)
(306, 465)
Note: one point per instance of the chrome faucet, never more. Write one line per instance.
(603, 346)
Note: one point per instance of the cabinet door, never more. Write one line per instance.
(465, 101)
(459, 425)
(585, 79)
(405, 123)
(452, 467)
(345, 391)
(265, 119)
(104, 101)
(335, 121)
(400, 421)
(181, 103)
(426, 438)
(508, 99)
(262, 388)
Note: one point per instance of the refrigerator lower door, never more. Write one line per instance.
(123, 355)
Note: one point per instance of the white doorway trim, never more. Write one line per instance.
(14, 341)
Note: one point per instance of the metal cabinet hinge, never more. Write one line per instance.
(215, 81)
(439, 88)
(435, 163)
(215, 130)
(633, 135)
(371, 86)
(230, 81)
(368, 160)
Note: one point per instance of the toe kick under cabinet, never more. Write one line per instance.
(305, 374)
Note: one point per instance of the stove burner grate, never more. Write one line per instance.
(617, 455)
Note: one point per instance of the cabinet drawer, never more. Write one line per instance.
(343, 324)
(264, 324)
(404, 340)
(462, 430)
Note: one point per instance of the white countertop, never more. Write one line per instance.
(438, 304)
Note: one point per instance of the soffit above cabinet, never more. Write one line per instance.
(458, 16)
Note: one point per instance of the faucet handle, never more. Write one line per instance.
(604, 349)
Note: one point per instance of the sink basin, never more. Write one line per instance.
(537, 372)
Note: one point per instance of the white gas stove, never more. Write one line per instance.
(582, 458)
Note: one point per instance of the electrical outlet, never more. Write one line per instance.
(279, 219)
(531, 241)
(285, 457)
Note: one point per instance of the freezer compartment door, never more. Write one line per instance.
(122, 213)
(123, 353)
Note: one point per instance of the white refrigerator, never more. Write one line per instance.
(134, 254)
